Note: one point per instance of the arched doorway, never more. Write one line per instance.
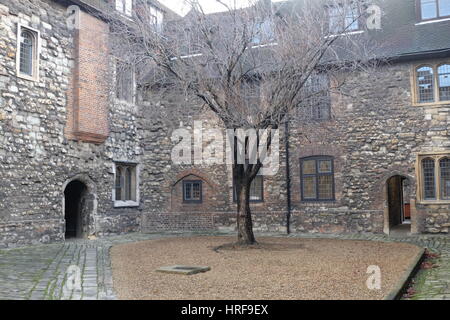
(398, 205)
(77, 210)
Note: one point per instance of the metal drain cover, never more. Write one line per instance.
(186, 270)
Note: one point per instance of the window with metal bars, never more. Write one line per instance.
(192, 191)
(317, 178)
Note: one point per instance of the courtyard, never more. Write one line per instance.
(295, 267)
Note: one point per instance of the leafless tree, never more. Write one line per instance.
(255, 67)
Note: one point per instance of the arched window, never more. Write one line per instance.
(425, 84)
(444, 167)
(429, 183)
(444, 82)
(27, 44)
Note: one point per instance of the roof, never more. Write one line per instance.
(402, 35)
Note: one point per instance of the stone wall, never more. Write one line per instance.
(376, 132)
(36, 157)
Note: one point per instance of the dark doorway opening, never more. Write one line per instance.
(75, 215)
(399, 207)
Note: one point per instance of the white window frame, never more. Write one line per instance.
(36, 53)
(125, 7)
(128, 203)
(159, 17)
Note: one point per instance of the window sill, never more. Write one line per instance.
(126, 204)
(192, 202)
(435, 20)
(317, 201)
(27, 77)
(349, 33)
(434, 202)
(125, 102)
(432, 104)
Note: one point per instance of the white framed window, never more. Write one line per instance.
(28, 51)
(344, 17)
(125, 7)
(156, 18)
(126, 184)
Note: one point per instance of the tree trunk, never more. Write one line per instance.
(244, 215)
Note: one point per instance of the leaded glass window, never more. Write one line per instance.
(317, 178)
(27, 43)
(429, 183)
(425, 83)
(444, 166)
(125, 182)
(192, 191)
(444, 82)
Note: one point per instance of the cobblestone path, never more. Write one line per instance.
(48, 271)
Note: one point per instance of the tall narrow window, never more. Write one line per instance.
(119, 183)
(351, 17)
(425, 84)
(316, 104)
(444, 82)
(317, 178)
(124, 6)
(192, 191)
(27, 53)
(429, 183)
(125, 82)
(444, 166)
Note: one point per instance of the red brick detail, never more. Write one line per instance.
(87, 107)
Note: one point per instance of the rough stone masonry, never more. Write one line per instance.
(67, 126)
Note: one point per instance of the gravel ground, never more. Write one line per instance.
(279, 268)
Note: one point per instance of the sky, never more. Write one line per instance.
(180, 7)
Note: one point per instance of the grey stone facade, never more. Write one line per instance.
(36, 159)
(376, 134)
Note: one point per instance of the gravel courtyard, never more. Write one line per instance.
(280, 268)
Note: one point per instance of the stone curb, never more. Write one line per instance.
(402, 284)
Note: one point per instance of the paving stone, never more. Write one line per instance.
(41, 272)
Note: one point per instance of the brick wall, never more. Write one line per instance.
(87, 105)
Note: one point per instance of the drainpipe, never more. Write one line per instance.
(288, 176)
